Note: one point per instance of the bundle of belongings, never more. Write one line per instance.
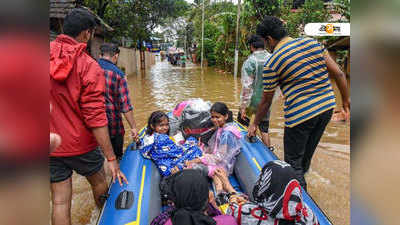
(193, 119)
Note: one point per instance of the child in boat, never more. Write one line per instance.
(223, 146)
(158, 146)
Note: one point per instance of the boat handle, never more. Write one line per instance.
(251, 139)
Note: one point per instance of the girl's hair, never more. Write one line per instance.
(155, 118)
(221, 108)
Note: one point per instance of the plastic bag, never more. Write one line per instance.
(192, 118)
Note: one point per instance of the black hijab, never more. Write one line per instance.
(189, 191)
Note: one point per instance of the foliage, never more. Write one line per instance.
(220, 25)
(136, 19)
(312, 11)
(225, 48)
(261, 8)
(98, 6)
(211, 32)
(343, 8)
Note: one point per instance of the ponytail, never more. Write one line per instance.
(230, 117)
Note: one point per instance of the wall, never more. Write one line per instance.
(150, 59)
(130, 60)
(127, 59)
(137, 53)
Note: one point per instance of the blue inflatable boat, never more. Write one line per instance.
(138, 202)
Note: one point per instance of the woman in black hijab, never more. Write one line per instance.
(189, 192)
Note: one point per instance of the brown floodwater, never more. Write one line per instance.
(162, 86)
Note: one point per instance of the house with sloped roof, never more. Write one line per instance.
(58, 10)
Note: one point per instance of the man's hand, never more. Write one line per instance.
(55, 141)
(252, 130)
(116, 173)
(134, 134)
(336, 73)
(242, 113)
(132, 124)
(346, 108)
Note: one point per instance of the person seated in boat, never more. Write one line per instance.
(158, 146)
(223, 146)
(190, 196)
(277, 198)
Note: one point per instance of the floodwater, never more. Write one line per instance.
(162, 86)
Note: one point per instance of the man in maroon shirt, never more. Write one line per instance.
(78, 115)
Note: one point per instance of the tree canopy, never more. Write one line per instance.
(136, 19)
(179, 21)
(220, 23)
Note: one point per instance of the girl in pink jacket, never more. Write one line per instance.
(224, 145)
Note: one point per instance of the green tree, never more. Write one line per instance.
(136, 19)
(99, 6)
(220, 17)
(211, 32)
(261, 8)
(343, 8)
(312, 11)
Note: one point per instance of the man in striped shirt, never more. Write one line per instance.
(302, 68)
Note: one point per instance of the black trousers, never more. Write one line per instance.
(264, 124)
(301, 141)
(117, 143)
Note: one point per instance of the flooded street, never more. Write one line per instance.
(163, 86)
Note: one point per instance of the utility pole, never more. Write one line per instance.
(202, 37)
(235, 70)
(184, 45)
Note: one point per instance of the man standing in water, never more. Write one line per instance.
(252, 86)
(78, 116)
(302, 68)
(117, 98)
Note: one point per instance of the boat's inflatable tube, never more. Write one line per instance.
(139, 202)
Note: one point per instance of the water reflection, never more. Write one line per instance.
(164, 86)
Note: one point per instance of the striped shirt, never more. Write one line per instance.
(298, 67)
